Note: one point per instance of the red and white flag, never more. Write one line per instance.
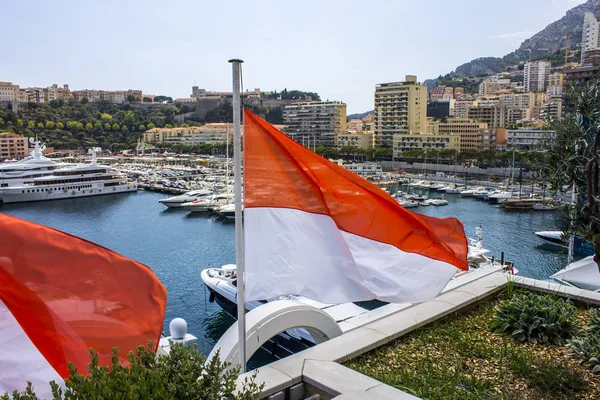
(60, 296)
(313, 228)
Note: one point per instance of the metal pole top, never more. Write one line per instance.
(236, 60)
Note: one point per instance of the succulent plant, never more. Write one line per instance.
(535, 318)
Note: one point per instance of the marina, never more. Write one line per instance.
(178, 245)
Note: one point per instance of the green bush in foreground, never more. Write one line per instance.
(535, 318)
(587, 346)
(182, 375)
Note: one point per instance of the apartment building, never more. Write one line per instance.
(473, 135)
(405, 142)
(461, 108)
(400, 108)
(494, 115)
(355, 125)
(361, 139)
(315, 123)
(527, 138)
(205, 133)
(8, 91)
(535, 76)
(590, 34)
(440, 108)
(13, 146)
(553, 110)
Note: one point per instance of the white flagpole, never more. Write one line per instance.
(239, 234)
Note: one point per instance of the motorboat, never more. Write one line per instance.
(437, 202)
(583, 274)
(222, 285)
(470, 192)
(558, 238)
(477, 255)
(453, 190)
(408, 203)
(209, 202)
(500, 196)
(178, 201)
(545, 207)
(226, 211)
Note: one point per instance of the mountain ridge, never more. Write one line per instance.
(545, 43)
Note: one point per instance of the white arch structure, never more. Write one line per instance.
(270, 319)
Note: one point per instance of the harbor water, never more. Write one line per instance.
(177, 245)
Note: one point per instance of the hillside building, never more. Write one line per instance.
(13, 146)
(362, 140)
(590, 34)
(535, 76)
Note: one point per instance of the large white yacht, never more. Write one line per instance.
(65, 183)
(25, 171)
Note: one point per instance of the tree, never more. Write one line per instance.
(142, 128)
(84, 100)
(19, 123)
(50, 125)
(30, 125)
(573, 161)
(60, 125)
(105, 117)
(107, 127)
(133, 98)
(181, 375)
(147, 99)
(150, 125)
(97, 126)
(124, 128)
(89, 127)
(116, 127)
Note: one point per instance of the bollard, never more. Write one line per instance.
(502, 258)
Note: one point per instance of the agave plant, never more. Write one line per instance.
(535, 318)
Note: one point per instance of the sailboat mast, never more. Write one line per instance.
(239, 244)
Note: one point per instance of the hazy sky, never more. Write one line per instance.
(337, 48)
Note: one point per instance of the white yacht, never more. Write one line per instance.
(25, 171)
(65, 183)
(226, 210)
(178, 201)
(209, 202)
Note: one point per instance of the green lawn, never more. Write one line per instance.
(458, 357)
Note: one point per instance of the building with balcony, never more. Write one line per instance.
(473, 135)
(535, 76)
(315, 123)
(440, 108)
(424, 142)
(400, 108)
(360, 139)
(13, 146)
(527, 138)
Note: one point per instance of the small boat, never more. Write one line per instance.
(437, 202)
(545, 207)
(178, 201)
(583, 274)
(419, 198)
(408, 203)
(454, 190)
(226, 211)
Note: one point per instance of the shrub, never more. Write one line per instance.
(587, 346)
(535, 318)
(182, 375)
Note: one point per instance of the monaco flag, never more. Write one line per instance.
(60, 296)
(313, 228)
